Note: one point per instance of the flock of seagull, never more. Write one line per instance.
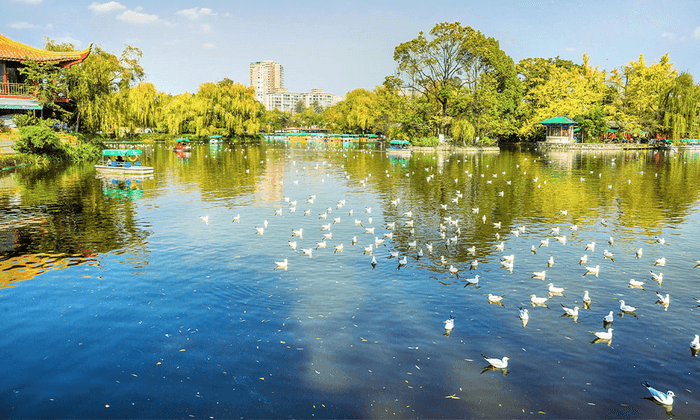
(449, 236)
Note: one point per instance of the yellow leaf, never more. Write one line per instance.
(158, 363)
(182, 349)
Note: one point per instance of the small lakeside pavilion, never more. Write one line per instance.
(559, 130)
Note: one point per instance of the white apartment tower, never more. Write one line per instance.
(266, 77)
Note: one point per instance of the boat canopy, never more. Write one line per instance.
(400, 142)
(182, 139)
(214, 137)
(121, 152)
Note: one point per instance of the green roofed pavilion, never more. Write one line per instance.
(559, 129)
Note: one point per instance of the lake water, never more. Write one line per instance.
(119, 301)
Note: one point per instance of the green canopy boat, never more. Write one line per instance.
(124, 162)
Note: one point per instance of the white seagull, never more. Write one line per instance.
(569, 311)
(586, 297)
(657, 277)
(583, 260)
(553, 289)
(608, 319)
(636, 283)
(696, 342)
(590, 247)
(592, 270)
(603, 335)
(626, 308)
(292, 245)
(538, 300)
(524, 314)
(664, 300)
(660, 261)
(609, 255)
(495, 298)
(281, 264)
(497, 363)
(539, 274)
(474, 281)
(338, 248)
(639, 253)
(450, 323)
(663, 398)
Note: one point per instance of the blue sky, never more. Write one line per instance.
(339, 46)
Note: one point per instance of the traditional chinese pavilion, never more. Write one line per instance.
(559, 129)
(14, 94)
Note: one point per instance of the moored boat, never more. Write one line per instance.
(214, 139)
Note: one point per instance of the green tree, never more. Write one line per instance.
(643, 89)
(681, 108)
(561, 90)
(37, 140)
(94, 83)
(222, 108)
(458, 65)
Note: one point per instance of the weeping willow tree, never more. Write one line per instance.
(98, 86)
(681, 105)
(222, 108)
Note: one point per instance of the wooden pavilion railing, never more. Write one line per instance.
(15, 89)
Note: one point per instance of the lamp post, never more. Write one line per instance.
(583, 123)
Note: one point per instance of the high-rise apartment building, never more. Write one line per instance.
(266, 77)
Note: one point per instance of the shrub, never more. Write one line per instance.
(431, 141)
(25, 120)
(37, 140)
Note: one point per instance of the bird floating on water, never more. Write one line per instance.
(281, 264)
(608, 255)
(663, 398)
(538, 300)
(603, 335)
(497, 363)
(592, 270)
(450, 323)
(495, 298)
(539, 274)
(553, 289)
(590, 247)
(657, 277)
(636, 283)
(608, 319)
(569, 311)
(639, 253)
(626, 308)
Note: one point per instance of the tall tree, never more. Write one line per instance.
(458, 65)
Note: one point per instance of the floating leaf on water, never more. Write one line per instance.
(262, 378)
(134, 375)
(591, 403)
(182, 349)
(159, 363)
(283, 342)
(542, 412)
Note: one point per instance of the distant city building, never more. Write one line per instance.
(286, 101)
(267, 78)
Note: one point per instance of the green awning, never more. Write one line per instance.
(400, 142)
(182, 139)
(214, 137)
(20, 103)
(121, 152)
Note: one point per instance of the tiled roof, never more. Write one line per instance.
(14, 51)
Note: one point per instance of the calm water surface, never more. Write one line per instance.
(117, 300)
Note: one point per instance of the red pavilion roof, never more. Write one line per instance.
(14, 51)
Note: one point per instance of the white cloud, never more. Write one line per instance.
(668, 35)
(21, 25)
(696, 33)
(196, 12)
(137, 17)
(208, 45)
(205, 27)
(106, 7)
(570, 49)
